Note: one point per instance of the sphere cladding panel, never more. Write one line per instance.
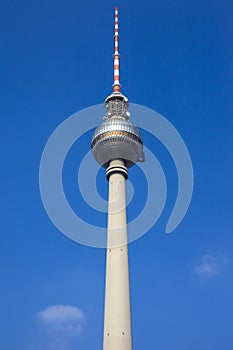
(116, 138)
(113, 124)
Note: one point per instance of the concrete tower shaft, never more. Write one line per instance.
(117, 317)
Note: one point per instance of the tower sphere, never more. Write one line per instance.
(117, 137)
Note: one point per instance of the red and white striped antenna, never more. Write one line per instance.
(116, 84)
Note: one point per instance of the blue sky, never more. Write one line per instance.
(56, 59)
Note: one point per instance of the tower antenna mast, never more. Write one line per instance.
(116, 84)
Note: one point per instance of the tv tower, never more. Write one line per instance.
(117, 145)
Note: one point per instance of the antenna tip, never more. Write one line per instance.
(116, 8)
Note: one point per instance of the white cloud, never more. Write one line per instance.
(62, 323)
(210, 265)
(61, 314)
